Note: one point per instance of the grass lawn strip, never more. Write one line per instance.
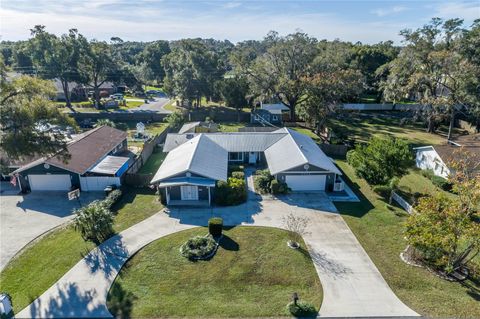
(48, 259)
(253, 274)
(380, 231)
(153, 163)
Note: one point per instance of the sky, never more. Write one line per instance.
(235, 20)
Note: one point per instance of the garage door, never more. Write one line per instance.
(306, 182)
(49, 182)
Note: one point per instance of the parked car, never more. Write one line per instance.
(117, 96)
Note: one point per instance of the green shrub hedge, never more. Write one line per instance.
(277, 187)
(112, 198)
(238, 174)
(198, 247)
(382, 190)
(232, 192)
(302, 309)
(262, 180)
(215, 225)
(441, 182)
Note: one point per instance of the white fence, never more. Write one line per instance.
(97, 183)
(403, 203)
(380, 107)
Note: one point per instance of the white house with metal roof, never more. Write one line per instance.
(195, 162)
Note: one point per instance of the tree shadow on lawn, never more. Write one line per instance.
(108, 257)
(355, 209)
(473, 286)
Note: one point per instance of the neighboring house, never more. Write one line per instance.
(438, 158)
(97, 159)
(269, 114)
(195, 162)
(199, 127)
(78, 92)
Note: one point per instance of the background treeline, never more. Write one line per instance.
(436, 65)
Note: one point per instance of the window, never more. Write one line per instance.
(235, 156)
(274, 118)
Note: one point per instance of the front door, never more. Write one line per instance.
(189, 192)
(252, 157)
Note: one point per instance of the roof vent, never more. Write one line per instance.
(190, 136)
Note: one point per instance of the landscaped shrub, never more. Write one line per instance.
(441, 182)
(215, 225)
(428, 173)
(238, 174)
(198, 247)
(235, 168)
(383, 190)
(381, 159)
(232, 192)
(112, 198)
(302, 309)
(262, 180)
(277, 187)
(94, 222)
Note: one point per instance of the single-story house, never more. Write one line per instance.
(97, 159)
(269, 114)
(438, 158)
(198, 127)
(195, 162)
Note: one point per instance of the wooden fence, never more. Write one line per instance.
(334, 150)
(132, 177)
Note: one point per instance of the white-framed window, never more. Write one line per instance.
(235, 156)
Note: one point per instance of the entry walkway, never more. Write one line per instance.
(352, 285)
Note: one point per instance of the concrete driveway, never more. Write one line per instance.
(25, 217)
(352, 285)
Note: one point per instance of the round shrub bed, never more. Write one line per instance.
(199, 247)
(302, 309)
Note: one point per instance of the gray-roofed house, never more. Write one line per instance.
(195, 163)
(97, 159)
(269, 114)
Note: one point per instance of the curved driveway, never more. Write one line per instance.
(352, 285)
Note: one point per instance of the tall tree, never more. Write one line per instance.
(57, 58)
(97, 66)
(150, 59)
(25, 111)
(431, 69)
(280, 71)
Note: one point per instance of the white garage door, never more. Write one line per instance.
(306, 182)
(49, 182)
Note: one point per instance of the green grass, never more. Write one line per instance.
(362, 129)
(253, 274)
(230, 127)
(380, 231)
(171, 106)
(415, 182)
(308, 132)
(153, 163)
(47, 260)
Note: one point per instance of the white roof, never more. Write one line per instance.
(301, 150)
(110, 165)
(187, 127)
(275, 107)
(206, 154)
(200, 156)
(174, 140)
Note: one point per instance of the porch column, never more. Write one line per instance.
(167, 195)
(209, 196)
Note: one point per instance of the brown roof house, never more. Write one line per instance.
(438, 158)
(97, 159)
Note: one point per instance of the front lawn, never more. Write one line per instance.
(380, 231)
(415, 183)
(153, 163)
(253, 274)
(47, 260)
(308, 132)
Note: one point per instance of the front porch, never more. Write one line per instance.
(187, 191)
(193, 203)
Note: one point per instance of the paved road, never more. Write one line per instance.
(158, 105)
(352, 285)
(25, 217)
